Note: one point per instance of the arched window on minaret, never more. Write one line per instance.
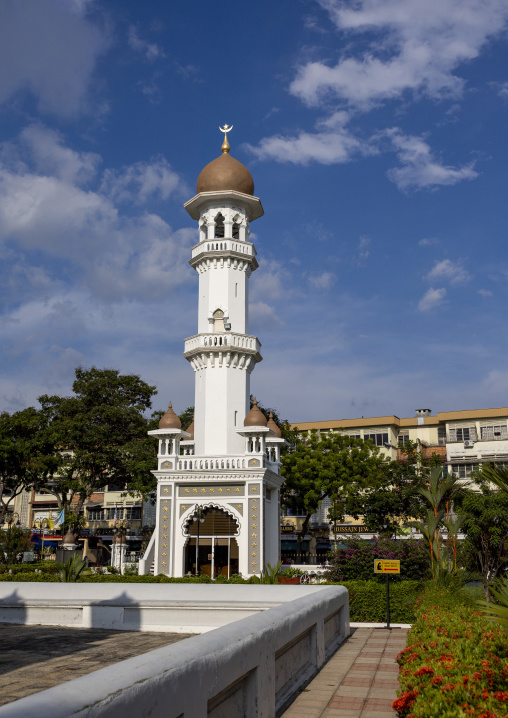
(202, 231)
(218, 320)
(219, 226)
(236, 228)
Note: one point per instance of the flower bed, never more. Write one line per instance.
(455, 664)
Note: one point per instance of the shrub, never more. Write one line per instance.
(367, 600)
(356, 560)
(454, 664)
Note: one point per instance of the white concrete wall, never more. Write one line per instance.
(248, 668)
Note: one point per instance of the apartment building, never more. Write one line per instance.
(464, 439)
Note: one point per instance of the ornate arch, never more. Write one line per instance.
(187, 517)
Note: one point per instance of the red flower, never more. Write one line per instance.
(423, 670)
(404, 701)
(501, 696)
(437, 680)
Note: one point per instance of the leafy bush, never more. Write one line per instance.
(356, 560)
(29, 576)
(454, 664)
(367, 600)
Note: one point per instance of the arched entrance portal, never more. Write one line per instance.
(212, 548)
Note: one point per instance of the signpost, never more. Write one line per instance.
(387, 567)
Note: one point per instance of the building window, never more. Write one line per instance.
(354, 436)
(462, 433)
(494, 433)
(377, 439)
(133, 513)
(403, 438)
(441, 435)
(464, 471)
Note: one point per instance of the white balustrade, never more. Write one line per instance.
(221, 463)
(222, 339)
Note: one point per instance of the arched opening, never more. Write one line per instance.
(219, 227)
(236, 230)
(211, 548)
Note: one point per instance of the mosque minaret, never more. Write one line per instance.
(218, 483)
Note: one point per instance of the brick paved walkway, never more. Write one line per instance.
(33, 658)
(359, 681)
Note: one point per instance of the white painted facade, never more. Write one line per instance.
(226, 466)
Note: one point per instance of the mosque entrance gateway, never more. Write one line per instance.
(212, 548)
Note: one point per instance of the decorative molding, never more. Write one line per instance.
(165, 525)
(237, 507)
(255, 555)
(165, 490)
(220, 490)
(254, 489)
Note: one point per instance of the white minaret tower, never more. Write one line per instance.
(218, 494)
(223, 353)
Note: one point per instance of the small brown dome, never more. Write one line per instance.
(170, 420)
(225, 173)
(190, 430)
(273, 426)
(255, 417)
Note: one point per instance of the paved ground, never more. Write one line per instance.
(359, 681)
(33, 658)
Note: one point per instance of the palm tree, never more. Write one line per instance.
(496, 475)
(429, 529)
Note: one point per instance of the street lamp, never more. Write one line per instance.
(199, 516)
(43, 525)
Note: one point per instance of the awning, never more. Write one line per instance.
(53, 541)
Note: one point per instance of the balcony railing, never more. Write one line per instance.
(219, 463)
(222, 341)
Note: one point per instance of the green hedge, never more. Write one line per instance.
(455, 664)
(367, 600)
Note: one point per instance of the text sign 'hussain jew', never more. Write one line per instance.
(383, 566)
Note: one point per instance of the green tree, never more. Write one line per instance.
(497, 475)
(486, 528)
(335, 466)
(99, 435)
(13, 541)
(26, 454)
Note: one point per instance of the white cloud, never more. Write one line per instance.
(332, 143)
(446, 269)
(427, 242)
(420, 169)
(321, 281)
(502, 89)
(485, 293)
(263, 316)
(363, 249)
(116, 256)
(431, 299)
(412, 46)
(150, 50)
(49, 49)
(46, 149)
(142, 181)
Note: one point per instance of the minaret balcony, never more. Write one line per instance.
(217, 463)
(229, 345)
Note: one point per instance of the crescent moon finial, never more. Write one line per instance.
(225, 145)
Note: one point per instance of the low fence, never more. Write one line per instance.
(245, 669)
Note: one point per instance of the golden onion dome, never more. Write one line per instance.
(170, 420)
(255, 417)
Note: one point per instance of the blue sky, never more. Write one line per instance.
(375, 131)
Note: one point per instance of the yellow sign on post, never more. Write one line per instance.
(382, 565)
